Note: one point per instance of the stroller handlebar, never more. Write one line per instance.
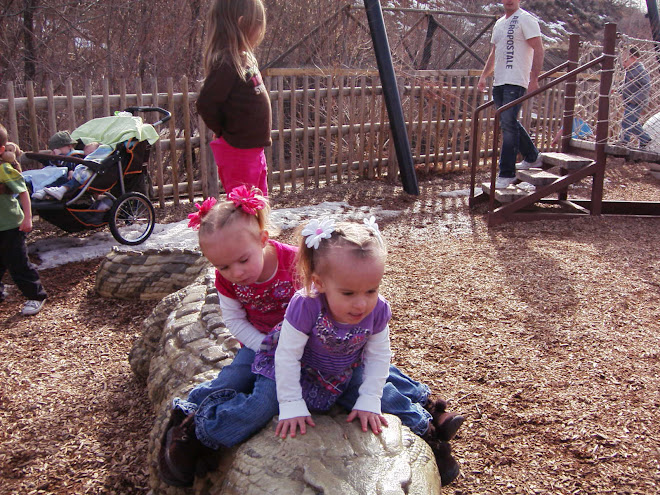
(166, 115)
(92, 165)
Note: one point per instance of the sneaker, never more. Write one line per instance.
(40, 194)
(504, 182)
(32, 307)
(525, 165)
(56, 192)
(448, 467)
(179, 452)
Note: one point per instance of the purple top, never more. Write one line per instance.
(332, 351)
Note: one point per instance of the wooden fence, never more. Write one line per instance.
(328, 126)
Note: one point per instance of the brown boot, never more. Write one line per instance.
(179, 452)
(446, 423)
(448, 467)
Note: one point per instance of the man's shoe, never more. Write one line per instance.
(179, 452)
(525, 165)
(56, 192)
(448, 467)
(504, 182)
(32, 307)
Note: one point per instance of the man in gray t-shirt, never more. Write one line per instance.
(636, 89)
(516, 59)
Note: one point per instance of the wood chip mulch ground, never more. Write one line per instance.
(545, 335)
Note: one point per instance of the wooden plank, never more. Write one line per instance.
(138, 92)
(172, 126)
(293, 112)
(351, 131)
(52, 112)
(317, 123)
(122, 94)
(372, 132)
(439, 129)
(106, 96)
(340, 130)
(464, 131)
(280, 128)
(446, 83)
(328, 134)
(454, 127)
(159, 152)
(89, 108)
(428, 105)
(268, 82)
(305, 120)
(204, 163)
(32, 115)
(383, 134)
(362, 117)
(187, 134)
(420, 116)
(11, 109)
(70, 108)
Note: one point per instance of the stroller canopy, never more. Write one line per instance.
(115, 129)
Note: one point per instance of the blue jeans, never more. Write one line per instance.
(236, 376)
(514, 136)
(631, 126)
(226, 417)
(402, 397)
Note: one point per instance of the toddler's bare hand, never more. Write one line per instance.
(286, 426)
(368, 420)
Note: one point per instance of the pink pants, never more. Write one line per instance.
(240, 166)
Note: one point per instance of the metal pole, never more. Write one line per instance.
(654, 18)
(391, 95)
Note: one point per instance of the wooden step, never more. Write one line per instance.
(566, 160)
(507, 195)
(536, 176)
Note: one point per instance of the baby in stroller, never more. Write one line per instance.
(61, 183)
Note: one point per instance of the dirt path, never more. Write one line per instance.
(546, 336)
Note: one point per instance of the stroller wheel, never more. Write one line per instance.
(132, 218)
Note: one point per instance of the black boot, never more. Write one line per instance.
(446, 423)
(180, 450)
(448, 467)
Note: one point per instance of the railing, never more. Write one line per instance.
(606, 60)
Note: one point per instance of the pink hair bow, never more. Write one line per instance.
(246, 199)
(195, 219)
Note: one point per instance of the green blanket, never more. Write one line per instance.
(115, 129)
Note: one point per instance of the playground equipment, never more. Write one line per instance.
(576, 161)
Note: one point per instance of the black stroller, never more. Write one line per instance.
(117, 192)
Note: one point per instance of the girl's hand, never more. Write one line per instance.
(368, 420)
(291, 425)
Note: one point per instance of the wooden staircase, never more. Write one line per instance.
(529, 198)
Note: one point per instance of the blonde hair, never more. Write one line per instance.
(356, 238)
(225, 213)
(231, 26)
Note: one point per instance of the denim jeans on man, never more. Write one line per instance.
(631, 126)
(226, 417)
(514, 136)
